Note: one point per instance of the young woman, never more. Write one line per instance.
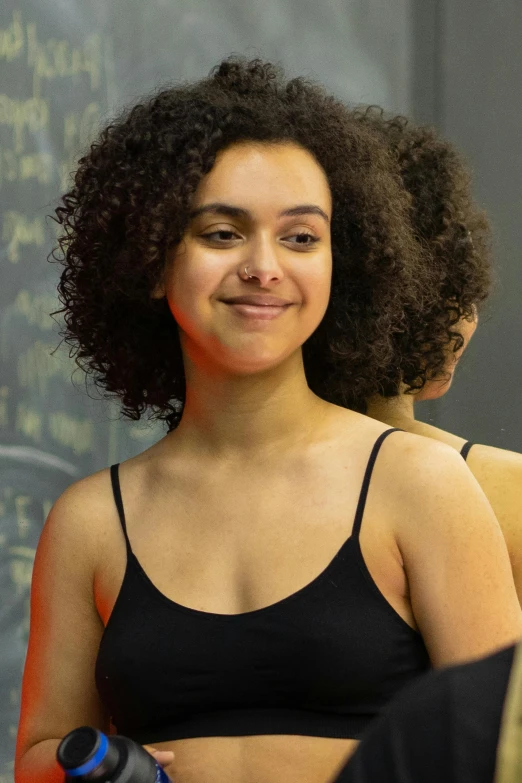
(456, 234)
(250, 591)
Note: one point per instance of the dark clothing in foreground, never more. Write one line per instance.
(442, 729)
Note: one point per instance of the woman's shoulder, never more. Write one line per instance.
(502, 462)
(81, 518)
(408, 462)
(85, 498)
(88, 508)
(90, 500)
(499, 473)
(423, 485)
(416, 466)
(405, 447)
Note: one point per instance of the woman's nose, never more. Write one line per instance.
(262, 263)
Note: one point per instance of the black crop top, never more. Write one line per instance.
(320, 662)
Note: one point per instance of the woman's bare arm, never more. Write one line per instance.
(59, 692)
(461, 586)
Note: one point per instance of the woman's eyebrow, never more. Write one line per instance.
(220, 209)
(238, 212)
(305, 209)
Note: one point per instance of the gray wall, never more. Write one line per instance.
(468, 82)
(65, 67)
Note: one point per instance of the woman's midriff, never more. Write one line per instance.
(259, 759)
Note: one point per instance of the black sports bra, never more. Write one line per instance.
(321, 662)
(465, 449)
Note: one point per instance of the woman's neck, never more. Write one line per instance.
(398, 411)
(240, 415)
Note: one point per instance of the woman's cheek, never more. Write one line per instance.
(319, 290)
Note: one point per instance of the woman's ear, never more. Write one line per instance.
(158, 291)
(436, 387)
(467, 327)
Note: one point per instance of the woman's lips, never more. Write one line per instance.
(258, 306)
(261, 312)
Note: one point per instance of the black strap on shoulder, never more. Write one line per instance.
(116, 491)
(366, 481)
(465, 450)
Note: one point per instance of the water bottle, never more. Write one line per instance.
(86, 754)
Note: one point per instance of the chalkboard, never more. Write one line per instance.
(66, 66)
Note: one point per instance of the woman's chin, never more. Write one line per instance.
(432, 390)
(252, 362)
(248, 368)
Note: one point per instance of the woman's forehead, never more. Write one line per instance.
(256, 176)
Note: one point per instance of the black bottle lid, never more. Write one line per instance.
(82, 751)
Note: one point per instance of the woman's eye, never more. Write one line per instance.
(303, 238)
(220, 236)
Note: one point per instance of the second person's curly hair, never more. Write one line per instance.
(455, 232)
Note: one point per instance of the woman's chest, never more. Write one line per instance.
(235, 546)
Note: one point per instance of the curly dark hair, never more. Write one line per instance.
(130, 203)
(454, 230)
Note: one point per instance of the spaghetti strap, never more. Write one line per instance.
(116, 491)
(465, 450)
(366, 481)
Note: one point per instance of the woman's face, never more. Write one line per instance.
(250, 280)
(435, 388)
